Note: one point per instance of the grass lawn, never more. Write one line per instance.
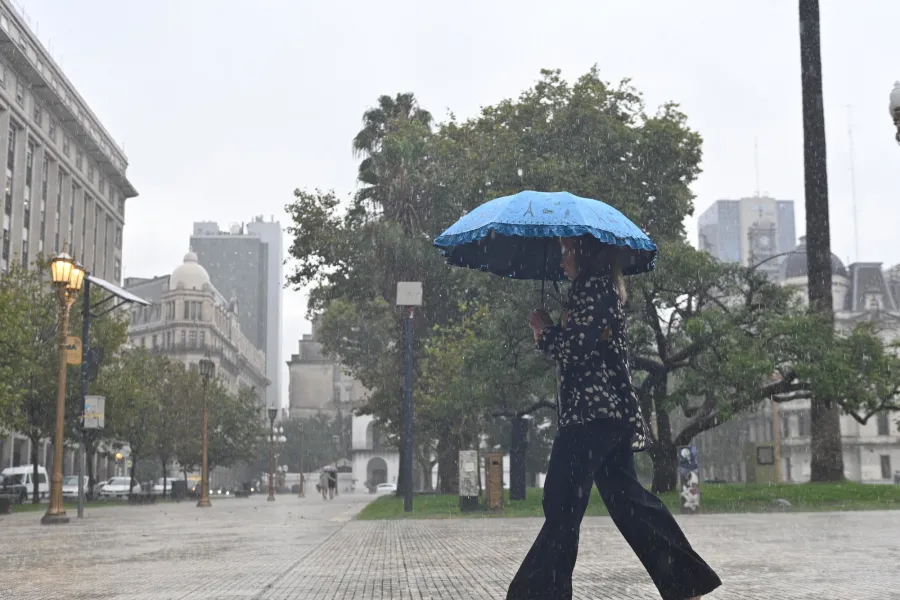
(715, 498)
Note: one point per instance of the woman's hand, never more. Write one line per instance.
(539, 321)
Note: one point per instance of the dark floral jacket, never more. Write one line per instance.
(589, 347)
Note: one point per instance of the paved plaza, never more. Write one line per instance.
(249, 549)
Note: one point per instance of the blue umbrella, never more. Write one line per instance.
(513, 236)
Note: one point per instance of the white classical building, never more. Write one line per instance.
(188, 318)
(862, 292)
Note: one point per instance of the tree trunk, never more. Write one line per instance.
(35, 485)
(827, 453)
(827, 460)
(165, 463)
(131, 474)
(665, 463)
(448, 465)
(518, 448)
(90, 451)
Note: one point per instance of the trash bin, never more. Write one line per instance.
(468, 480)
(494, 480)
(179, 490)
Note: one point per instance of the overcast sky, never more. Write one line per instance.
(224, 107)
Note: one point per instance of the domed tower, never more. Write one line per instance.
(795, 273)
(190, 275)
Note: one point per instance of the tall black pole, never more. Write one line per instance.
(85, 348)
(827, 462)
(407, 418)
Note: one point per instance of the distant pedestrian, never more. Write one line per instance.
(323, 484)
(600, 427)
(332, 484)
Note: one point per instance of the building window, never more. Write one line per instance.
(154, 341)
(5, 247)
(203, 339)
(183, 338)
(72, 201)
(118, 237)
(192, 339)
(803, 423)
(84, 214)
(91, 173)
(106, 244)
(38, 115)
(79, 160)
(45, 175)
(885, 466)
(102, 185)
(3, 76)
(98, 216)
(884, 424)
(52, 131)
(66, 146)
(10, 168)
(170, 310)
(117, 270)
(20, 93)
(121, 206)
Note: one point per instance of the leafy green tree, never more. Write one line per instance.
(310, 441)
(133, 385)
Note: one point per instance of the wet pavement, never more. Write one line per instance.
(249, 549)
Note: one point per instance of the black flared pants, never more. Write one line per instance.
(600, 452)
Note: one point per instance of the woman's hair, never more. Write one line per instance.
(593, 256)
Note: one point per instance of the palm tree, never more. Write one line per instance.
(386, 167)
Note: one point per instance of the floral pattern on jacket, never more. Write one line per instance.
(589, 347)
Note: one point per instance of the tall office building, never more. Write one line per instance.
(64, 182)
(749, 231)
(244, 264)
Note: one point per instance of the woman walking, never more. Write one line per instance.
(600, 426)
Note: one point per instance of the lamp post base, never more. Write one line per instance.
(54, 519)
(204, 503)
(271, 498)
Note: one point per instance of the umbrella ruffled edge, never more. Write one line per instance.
(446, 242)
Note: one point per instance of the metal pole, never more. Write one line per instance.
(407, 417)
(271, 497)
(56, 513)
(203, 502)
(302, 492)
(85, 346)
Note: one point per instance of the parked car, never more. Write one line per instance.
(119, 487)
(386, 488)
(158, 486)
(98, 487)
(9, 486)
(70, 487)
(24, 474)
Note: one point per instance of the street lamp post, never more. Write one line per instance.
(207, 369)
(68, 277)
(273, 412)
(895, 108)
(302, 478)
(409, 295)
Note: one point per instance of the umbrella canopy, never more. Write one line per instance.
(513, 236)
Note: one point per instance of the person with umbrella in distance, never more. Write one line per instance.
(600, 423)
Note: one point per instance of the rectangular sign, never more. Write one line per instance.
(94, 407)
(73, 350)
(468, 473)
